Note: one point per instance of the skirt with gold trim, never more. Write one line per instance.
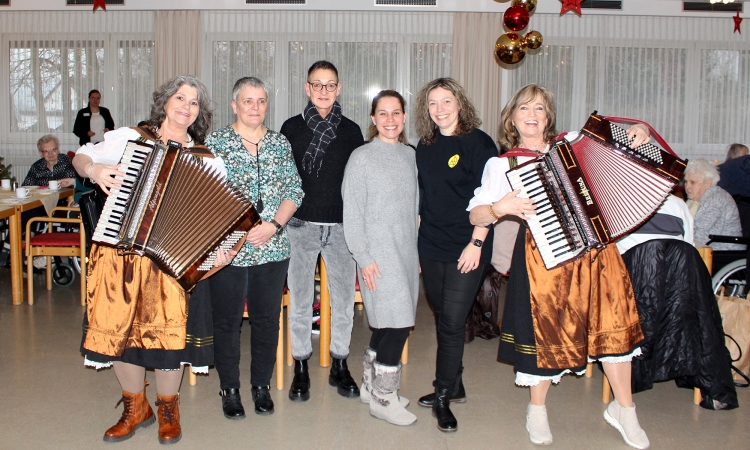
(199, 345)
(578, 314)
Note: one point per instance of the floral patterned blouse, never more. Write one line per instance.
(279, 181)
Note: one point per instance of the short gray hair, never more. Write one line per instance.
(244, 82)
(703, 167)
(46, 138)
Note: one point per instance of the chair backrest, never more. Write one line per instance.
(743, 206)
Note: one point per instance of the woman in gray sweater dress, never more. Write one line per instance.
(381, 200)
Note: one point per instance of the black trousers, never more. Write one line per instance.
(261, 286)
(451, 295)
(388, 343)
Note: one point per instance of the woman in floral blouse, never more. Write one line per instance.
(260, 165)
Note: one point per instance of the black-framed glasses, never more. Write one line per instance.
(50, 151)
(316, 86)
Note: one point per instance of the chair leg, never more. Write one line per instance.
(589, 370)
(191, 376)
(30, 277)
(280, 352)
(49, 273)
(289, 359)
(83, 281)
(697, 397)
(606, 389)
(405, 353)
(325, 317)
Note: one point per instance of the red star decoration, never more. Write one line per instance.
(737, 22)
(571, 5)
(100, 4)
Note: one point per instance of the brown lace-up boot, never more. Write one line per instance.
(136, 413)
(170, 431)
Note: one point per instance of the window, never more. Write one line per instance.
(136, 81)
(50, 81)
(724, 114)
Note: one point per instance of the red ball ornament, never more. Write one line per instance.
(510, 48)
(516, 18)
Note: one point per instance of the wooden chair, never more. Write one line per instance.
(707, 256)
(279, 347)
(325, 318)
(51, 243)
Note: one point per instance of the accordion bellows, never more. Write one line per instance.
(594, 190)
(175, 210)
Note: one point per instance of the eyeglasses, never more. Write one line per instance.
(330, 87)
(51, 151)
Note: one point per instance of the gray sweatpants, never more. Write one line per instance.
(308, 241)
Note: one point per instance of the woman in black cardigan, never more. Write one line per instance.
(93, 121)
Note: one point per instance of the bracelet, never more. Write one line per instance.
(492, 211)
(88, 172)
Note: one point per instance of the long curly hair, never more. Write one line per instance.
(372, 131)
(198, 130)
(427, 129)
(509, 137)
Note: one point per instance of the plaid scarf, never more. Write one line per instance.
(324, 132)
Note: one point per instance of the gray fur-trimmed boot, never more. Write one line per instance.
(384, 402)
(366, 388)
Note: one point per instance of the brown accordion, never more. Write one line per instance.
(175, 210)
(594, 190)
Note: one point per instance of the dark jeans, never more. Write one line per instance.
(388, 343)
(262, 287)
(451, 295)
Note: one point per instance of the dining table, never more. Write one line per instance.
(11, 208)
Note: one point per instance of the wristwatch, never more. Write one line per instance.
(277, 225)
(478, 242)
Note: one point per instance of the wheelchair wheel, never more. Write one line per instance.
(732, 278)
(63, 274)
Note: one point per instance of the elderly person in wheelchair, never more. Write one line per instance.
(713, 209)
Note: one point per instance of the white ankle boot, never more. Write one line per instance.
(537, 425)
(626, 422)
(366, 388)
(384, 401)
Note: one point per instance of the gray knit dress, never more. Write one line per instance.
(381, 201)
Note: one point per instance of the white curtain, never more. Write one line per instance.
(688, 77)
(177, 44)
(372, 51)
(474, 65)
(51, 60)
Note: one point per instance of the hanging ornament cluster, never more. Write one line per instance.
(511, 47)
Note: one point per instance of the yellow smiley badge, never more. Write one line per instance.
(453, 161)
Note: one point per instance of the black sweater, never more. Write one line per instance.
(82, 125)
(323, 202)
(449, 171)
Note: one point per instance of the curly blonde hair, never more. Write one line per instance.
(427, 129)
(509, 137)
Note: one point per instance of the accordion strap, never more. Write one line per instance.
(654, 133)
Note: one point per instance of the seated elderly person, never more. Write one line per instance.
(712, 207)
(52, 165)
(735, 172)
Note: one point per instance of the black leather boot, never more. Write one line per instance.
(342, 379)
(457, 396)
(231, 403)
(441, 410)
(262, 399)
(300, 390)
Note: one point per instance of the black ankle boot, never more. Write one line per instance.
(231, 403)
(262, 399)
(342, 379)
(458, 396)
(441, 410)
(300, 390)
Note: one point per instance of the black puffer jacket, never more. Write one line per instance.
(684, 338)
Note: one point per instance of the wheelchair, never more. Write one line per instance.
(730, 269)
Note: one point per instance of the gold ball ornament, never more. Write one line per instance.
(510, 48)
(533, 39)
(529, 4)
